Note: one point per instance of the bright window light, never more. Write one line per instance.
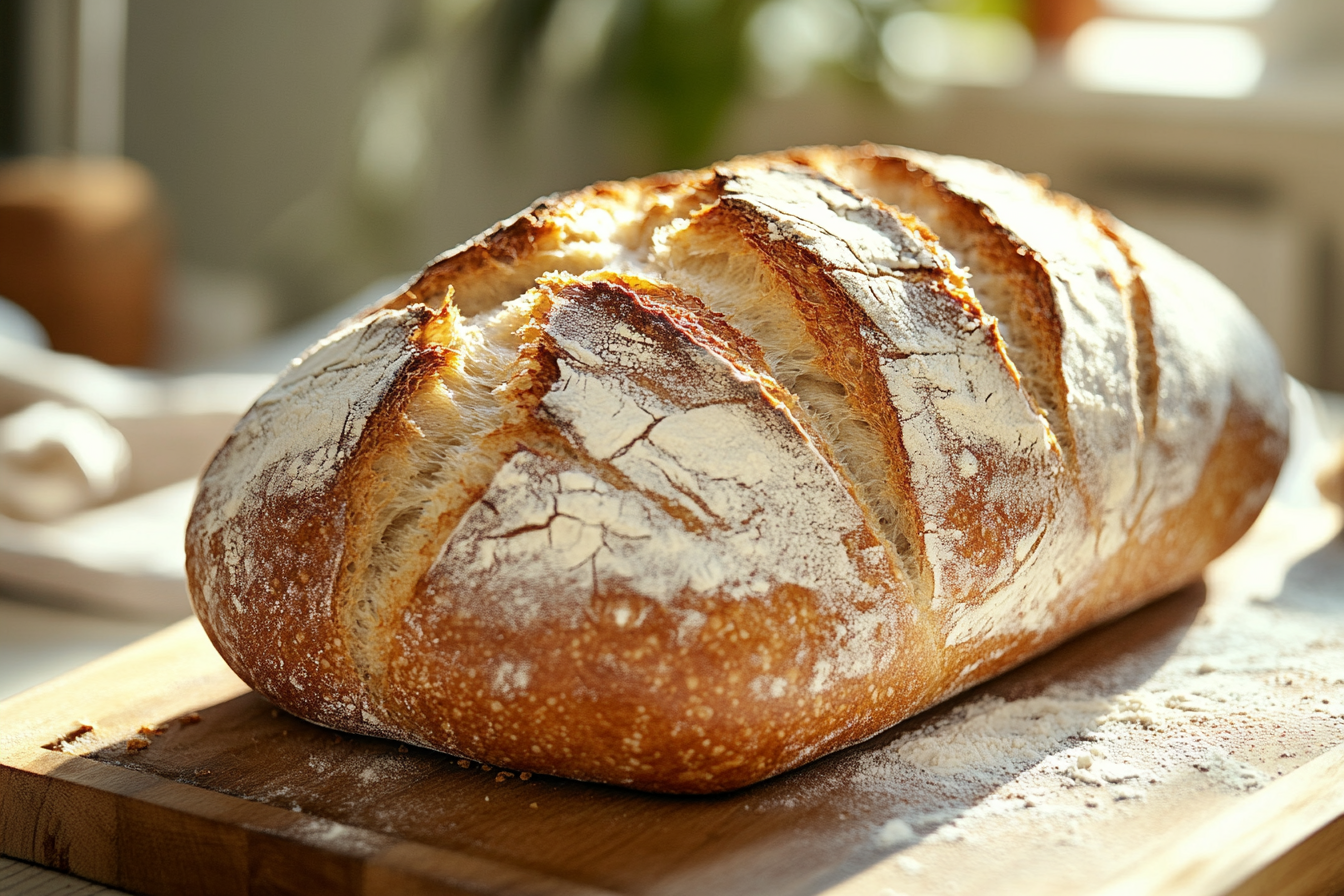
(574, 37)
(1191, 9)
(1164, 58)
(981, 51)
(790, 38)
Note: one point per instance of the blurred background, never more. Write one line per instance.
(192, 192)
(290, 154)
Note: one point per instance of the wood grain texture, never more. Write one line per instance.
(243, 798)
(1286, 840)
(23, 879)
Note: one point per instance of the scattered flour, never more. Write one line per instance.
(996, 734)
(909, 864)
(1261, 663)
(1208, 714)
(896, 832)
(1225, 770)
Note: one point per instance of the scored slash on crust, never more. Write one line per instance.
(682, 482)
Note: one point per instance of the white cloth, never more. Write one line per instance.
(97, 472)
(98, 464)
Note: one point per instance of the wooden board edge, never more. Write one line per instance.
(138, 832)
(1256, 843)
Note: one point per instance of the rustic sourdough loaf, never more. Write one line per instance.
(682, 482)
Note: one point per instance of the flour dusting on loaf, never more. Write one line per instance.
(306, 426)
(681, 482)
(955, 394)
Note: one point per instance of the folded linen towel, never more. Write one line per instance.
(97, 471)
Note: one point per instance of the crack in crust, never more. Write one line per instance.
(917, 324)
(1012, 281)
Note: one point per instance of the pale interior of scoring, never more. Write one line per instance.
(437, 472)
(994, 286)
(433, 480)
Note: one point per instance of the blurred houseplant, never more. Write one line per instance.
(683, 63)
(671, 71)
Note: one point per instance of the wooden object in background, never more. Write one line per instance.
(83, 249)
(1052, 21)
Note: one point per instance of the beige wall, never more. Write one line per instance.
(241, 108)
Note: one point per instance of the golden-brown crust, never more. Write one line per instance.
(1033, 314)
(283, 558)
(826, 307)
(658, 560)
(602, 686)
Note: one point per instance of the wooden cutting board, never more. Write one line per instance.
(1192, 747)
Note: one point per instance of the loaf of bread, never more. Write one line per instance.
(682, 482)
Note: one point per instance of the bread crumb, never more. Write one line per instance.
(499, 778)
(136, 744)
(534, 805)
(152, 731)
(464, 763)
(524, 776)
(58, 745)
(190, 718)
